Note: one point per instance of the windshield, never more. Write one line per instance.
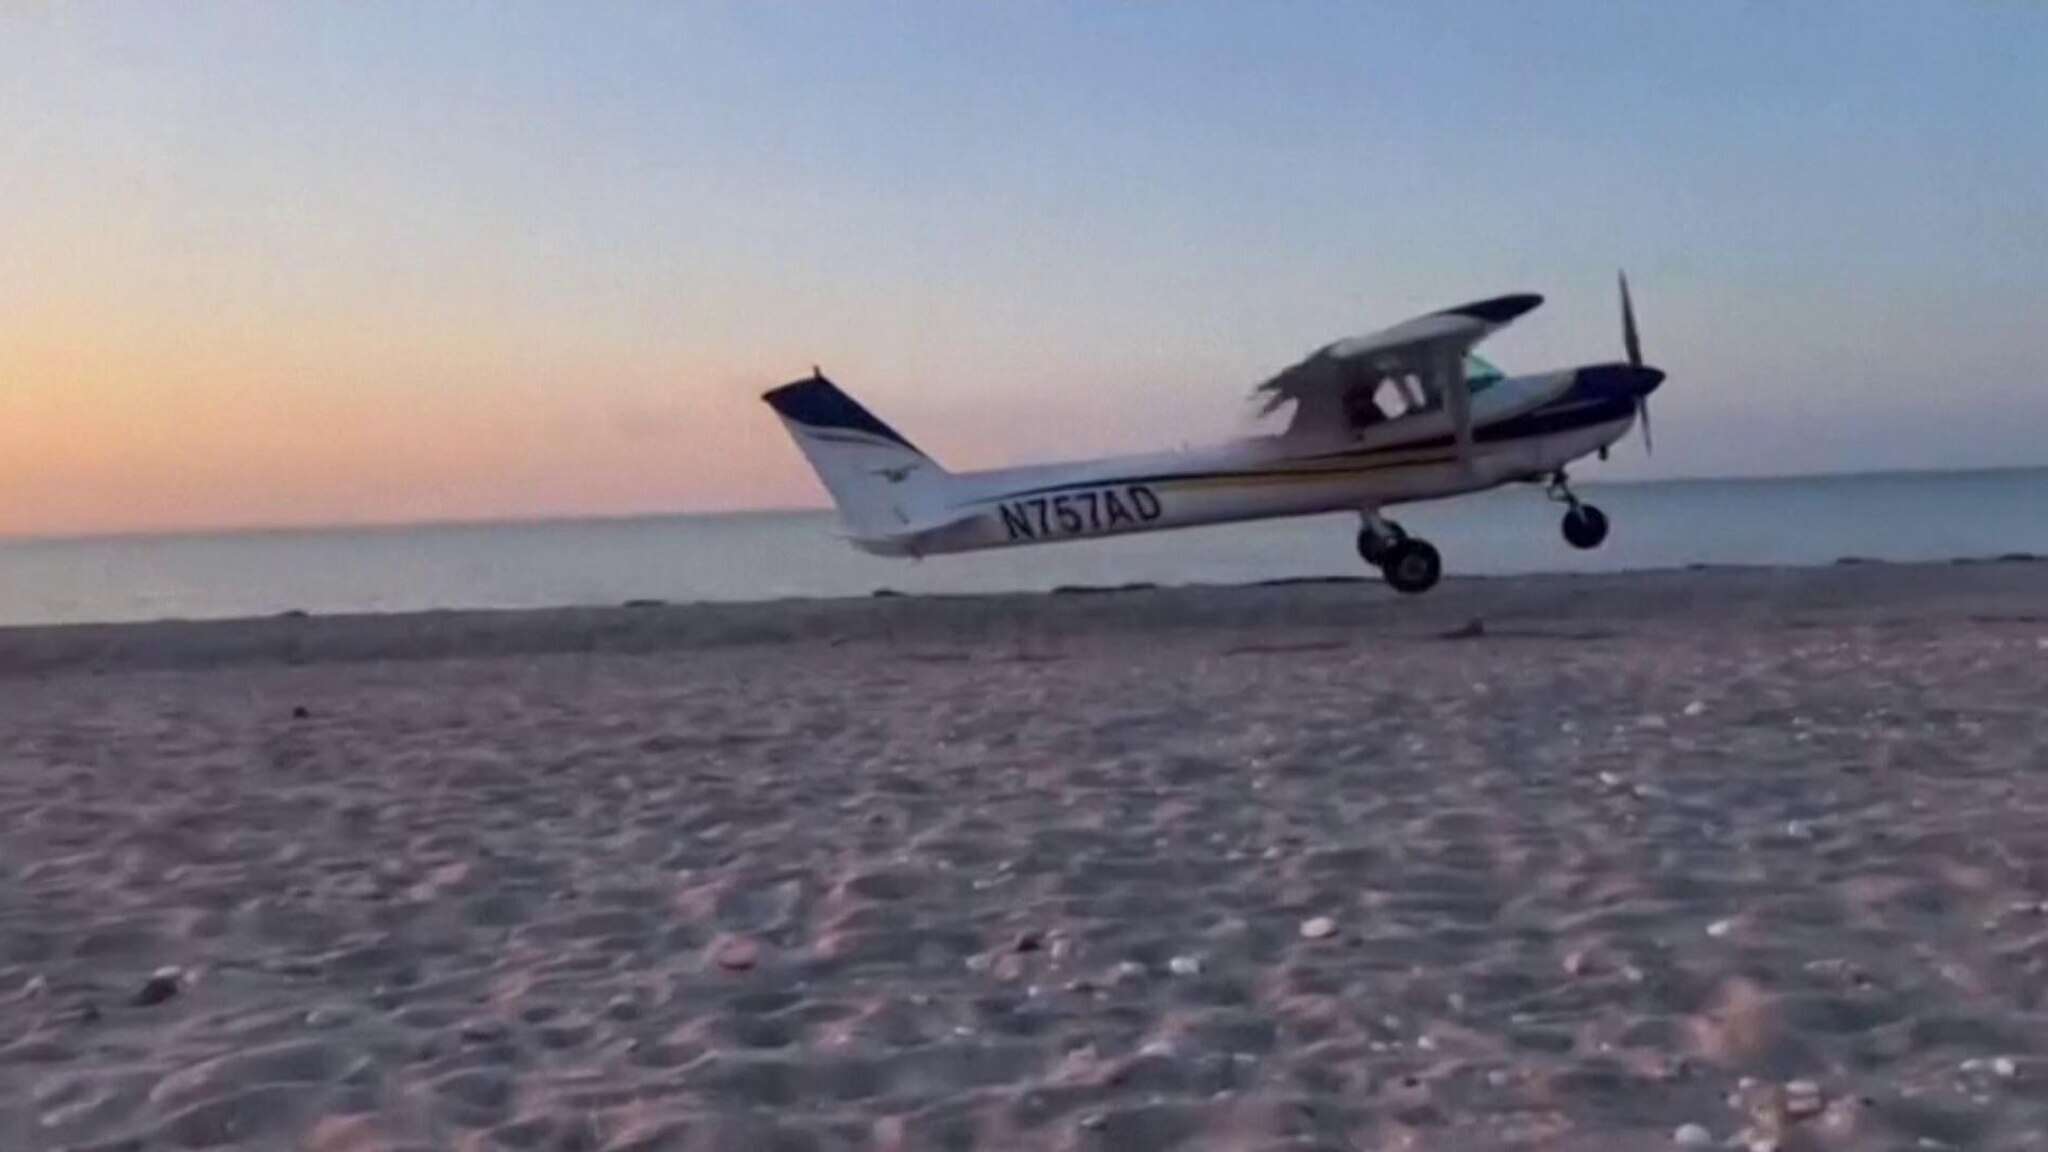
(1480, 375)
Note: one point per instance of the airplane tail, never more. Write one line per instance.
(880, 482)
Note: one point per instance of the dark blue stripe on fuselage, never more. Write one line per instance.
(1564, 415)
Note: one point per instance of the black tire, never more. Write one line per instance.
(1413, 566)
(1585, 526)
(1375, 547)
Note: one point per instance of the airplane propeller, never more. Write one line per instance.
(1634, 344)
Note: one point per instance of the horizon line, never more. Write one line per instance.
(518, 520)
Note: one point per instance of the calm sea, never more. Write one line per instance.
(759, 556)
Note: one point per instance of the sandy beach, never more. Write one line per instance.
(1742, 858)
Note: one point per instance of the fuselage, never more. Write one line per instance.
(1524, 428)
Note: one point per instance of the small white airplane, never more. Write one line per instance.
(1404, 414)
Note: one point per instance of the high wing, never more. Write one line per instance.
(1431, 349)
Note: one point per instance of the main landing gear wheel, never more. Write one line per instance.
(1585, 526)
(1412, 566)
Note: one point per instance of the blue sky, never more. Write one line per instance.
(542, 258)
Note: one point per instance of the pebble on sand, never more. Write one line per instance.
(326, 1016)
(1316, 928)
(1184, 966)
(162, 984)
(736, 954)
(1720, 928)
(1802, 1099)
(1692, 1136)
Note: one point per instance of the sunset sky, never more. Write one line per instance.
(313, 263)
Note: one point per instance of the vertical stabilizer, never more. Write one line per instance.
(880, 482)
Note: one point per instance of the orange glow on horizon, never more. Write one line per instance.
(106, 427)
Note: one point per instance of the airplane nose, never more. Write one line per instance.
(1621, 381)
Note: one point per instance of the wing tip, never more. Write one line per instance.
(1497, 309)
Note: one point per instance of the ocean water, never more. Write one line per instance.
(768, 555)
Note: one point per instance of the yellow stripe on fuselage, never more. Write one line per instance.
(1299, 475)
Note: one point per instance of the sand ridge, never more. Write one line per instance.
(1040, 873)
(1315, 612)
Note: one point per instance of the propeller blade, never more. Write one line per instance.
(1631, 341)
(1628, 326)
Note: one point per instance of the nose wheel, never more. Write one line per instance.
(1584, 525)
(1410, 564)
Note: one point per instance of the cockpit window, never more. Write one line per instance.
(1396, 397)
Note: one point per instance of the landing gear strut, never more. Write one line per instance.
(1377, 539)
(1584, 525)
(1409, 564)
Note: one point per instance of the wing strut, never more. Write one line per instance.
(1448, 365)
